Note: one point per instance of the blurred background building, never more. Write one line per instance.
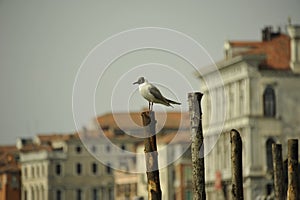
(86, 166)
(10, 173)
(59, 167)
(261, 84)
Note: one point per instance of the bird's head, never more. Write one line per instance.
(140, 80)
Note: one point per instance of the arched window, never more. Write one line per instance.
(32, 193)
(58, 195)
(269, 158)
(32, 172)
(108, 168)
(58, 169)
(269, 102)
(79, 194)
(78, 168)
(94, 168)
(78, 149)
(123, 147)
(42, 192)
(25, 195)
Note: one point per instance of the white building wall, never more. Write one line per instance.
(45, 184)
(244, 86)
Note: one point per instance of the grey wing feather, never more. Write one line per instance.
(156, 93)
(173, 102)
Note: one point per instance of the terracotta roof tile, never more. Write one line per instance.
(8, 159)
(277, 51)
(35, 147)
(55, 137)
(10, 148)
(130, 120)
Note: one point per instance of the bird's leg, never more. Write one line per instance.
(149, 105)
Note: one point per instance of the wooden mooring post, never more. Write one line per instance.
(236, 165)
(278, 172)
(292, 193)
(149, 122)
(197, 146)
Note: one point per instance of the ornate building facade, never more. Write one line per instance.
(259, 95)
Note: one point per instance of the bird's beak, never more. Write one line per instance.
(135, 82)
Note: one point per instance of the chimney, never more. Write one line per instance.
(268, 34)
(294, 33)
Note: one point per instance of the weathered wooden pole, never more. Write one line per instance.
(278, 172)
(149, 122)
(236, 165)
(197, 146)
(292, 193)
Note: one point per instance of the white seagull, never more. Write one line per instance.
(152, 94)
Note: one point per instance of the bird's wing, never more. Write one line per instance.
(156, 93)
(173, 102)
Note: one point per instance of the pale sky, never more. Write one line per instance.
(44, 43)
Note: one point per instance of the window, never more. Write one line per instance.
(25, 195)
(269, 158)
(78, 194)
(269, 102)
(242, 97)
(94, 149)
(14, 182)
(42, 192)
(173, 175)
(188, 195)
(32, 193)
(32, 172)
(58, 169)
(78, 168)
(78, 149)
(231, 101)
(58, 195)
(43, 170)
(102, 189)
(123, 147)
(94, 168)
(25, 172)
(95, 194)
(108, 168)
(127, 188)
(38, 171)
(269, 188)
(187, 175)
(110, 193)
(108, 148)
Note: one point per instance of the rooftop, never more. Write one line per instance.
(130, 120)
(8, 159)
(276, 50)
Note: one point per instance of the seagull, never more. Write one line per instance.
(152, 94)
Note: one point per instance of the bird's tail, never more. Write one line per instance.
(172, 102)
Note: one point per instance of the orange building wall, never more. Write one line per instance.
(6, 191)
